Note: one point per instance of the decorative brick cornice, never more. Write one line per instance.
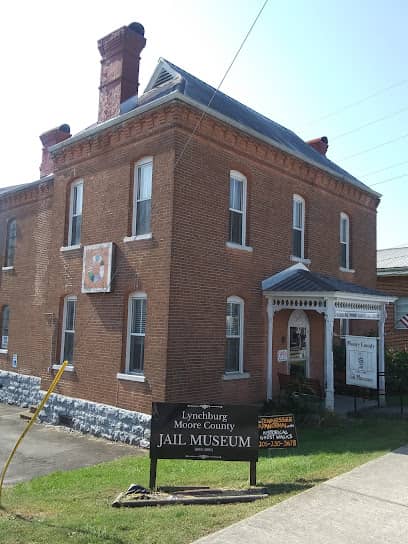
(224, 135)
(185, 117)
(27, 195)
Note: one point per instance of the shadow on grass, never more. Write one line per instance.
(69, 531)
(287, 488)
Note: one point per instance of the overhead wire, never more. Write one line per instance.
(360, 101)
(383, 169)
(388, 180)
(221, 82)
(370, 123)
(374, 147)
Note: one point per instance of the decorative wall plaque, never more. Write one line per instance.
(97, 268)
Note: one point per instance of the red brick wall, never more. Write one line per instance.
(186, 270)
(396, 286)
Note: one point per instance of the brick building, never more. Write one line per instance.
(392, 278)
(183, 248)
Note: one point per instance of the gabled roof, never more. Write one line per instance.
(170, 82)
(299, 279)
(392, 261)
(168, 77)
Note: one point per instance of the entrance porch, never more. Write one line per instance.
(302, 307)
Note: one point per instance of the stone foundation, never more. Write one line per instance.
(82, 415)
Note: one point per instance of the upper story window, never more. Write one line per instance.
(5, 318)
(11, 238)
(142, 198)
(75, 213)
(298, 227)
(344, 241)
(401, 313)
(68, 329)
(237, 208)
(234, 354)
(136, 333)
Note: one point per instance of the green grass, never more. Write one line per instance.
(75, 506)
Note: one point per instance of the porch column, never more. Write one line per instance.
(381, 358)
(270, 311)
(328, 356)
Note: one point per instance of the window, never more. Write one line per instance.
(234, 335)
(298, 227)
(5, 318)
(11, 242)
(75, 213)
(136, 333)
(344, 241)
(237, 208)
(401, 313)
(344, 327)
(142, 198)
(68, 329)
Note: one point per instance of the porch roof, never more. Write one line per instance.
(298, 279)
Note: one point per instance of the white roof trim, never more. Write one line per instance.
(280, 276)
(331, 295)
(87, 133)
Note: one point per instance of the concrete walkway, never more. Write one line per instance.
(368, 505)
(47, 449)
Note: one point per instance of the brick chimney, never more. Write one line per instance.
(320, 144)
(120, 52)
(48, 139)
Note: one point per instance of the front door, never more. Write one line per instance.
(298, 340)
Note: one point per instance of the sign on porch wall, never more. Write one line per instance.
(361, 361)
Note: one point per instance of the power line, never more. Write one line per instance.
(358, 102)
(383, 169)
(369, 124)
(388, 179)
(221, 82)
(374, 147)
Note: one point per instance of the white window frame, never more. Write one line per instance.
(297, 199)
(398, 313)
(237, 176)
(9, 263)
(133, 296)
(240, 302)
(64, 330)
(346, 242)
(138, 165)
(79, 182)
(4, 345)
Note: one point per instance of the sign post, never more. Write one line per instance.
(203, 432)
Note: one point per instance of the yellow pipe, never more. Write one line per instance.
(30, 423)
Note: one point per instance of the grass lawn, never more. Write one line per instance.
(74, 507)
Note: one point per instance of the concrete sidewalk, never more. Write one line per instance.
(367, 505)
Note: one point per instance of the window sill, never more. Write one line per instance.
(238, 246)
(131, 377)
(68, 368)
(3, 351)
(70, 248)
(136, 238)
(236, 376)
(349, 270)
(300, 260)
(7, 268)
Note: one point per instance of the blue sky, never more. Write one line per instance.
(304, 64)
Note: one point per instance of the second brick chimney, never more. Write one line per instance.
(48, 139)
(320, 144)
(120, 52)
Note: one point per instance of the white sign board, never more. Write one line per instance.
(14, 360)
(361, 361)
(282, 355)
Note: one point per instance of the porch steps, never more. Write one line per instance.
(29, 414)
